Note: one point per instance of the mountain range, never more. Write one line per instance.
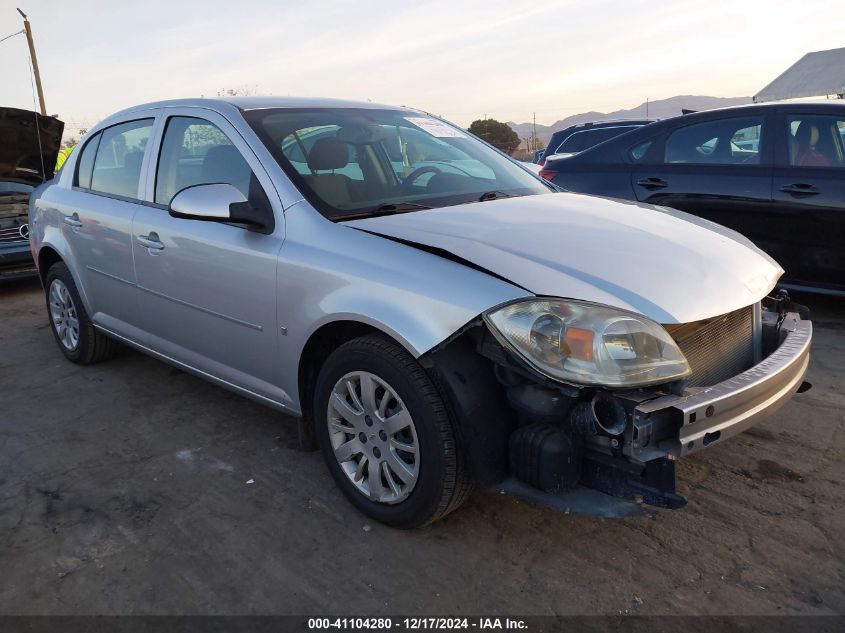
(660, 109)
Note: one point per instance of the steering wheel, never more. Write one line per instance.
(419, 171)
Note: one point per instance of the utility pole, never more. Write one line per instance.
(646, 107)
(29, 41)
(535, 133)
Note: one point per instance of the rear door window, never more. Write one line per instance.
(729, 141)
(120, 154)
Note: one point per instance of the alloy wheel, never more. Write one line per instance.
(373, 437)
(64, 315)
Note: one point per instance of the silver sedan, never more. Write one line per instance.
(437, 316)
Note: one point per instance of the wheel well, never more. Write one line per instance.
(318, 348)
(46, 258)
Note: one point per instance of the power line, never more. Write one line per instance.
(12, 35)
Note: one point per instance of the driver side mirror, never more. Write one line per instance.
(220, 203)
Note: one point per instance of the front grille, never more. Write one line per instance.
(14, 235)
(717, 348)
(13, 211)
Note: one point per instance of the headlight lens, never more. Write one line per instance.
(586, 343)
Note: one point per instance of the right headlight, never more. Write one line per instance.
(587, 343)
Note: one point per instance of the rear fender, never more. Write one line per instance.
(55, 241)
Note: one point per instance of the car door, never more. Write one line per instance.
(719, 169)
(809, 194)
(97, 222)
(207, 290)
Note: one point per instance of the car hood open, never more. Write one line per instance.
(668, 265)
(21, 134)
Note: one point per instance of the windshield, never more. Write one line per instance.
(354, 162)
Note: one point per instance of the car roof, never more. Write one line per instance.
(800, 103)
(612, 122)
(806, 103)
(590, 125)
(258, 103)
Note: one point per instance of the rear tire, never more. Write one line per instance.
(403, 428)
(76, 336)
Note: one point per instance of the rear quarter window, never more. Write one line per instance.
(85, 165)
(639, 151)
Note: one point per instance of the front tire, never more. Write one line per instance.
(387, 436)
(78, 340)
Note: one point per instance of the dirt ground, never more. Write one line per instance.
(125, 489)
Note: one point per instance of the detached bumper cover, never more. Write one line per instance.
(682, 425)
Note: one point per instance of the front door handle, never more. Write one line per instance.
(73, 220)
(652, 183)
(800, 189)
(150, 241)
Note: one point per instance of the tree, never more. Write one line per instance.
(498, 134)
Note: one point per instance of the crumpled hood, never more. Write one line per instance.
(20, 159)
(668, 265)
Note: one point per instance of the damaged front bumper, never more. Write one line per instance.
(677, 426)
(609, 452)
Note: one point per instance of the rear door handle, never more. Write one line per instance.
(150, 241)
(800, 189)
(73, 220)
(652, 183)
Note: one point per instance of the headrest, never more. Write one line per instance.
(328, 153)
(807, 133)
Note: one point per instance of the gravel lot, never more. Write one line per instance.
(124, 488)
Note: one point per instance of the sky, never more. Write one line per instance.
(460, 59)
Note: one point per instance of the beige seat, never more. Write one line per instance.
(329, 154)
(805, 150)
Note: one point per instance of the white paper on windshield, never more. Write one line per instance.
(435, 127)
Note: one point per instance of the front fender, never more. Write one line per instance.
(417, 323)
(330, 273)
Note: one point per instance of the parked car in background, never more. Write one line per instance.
(29, 143)
(577, 138)
(400, 286)
(537, 157)
(774, 172)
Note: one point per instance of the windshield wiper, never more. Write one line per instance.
(493, 195)
(388, 208)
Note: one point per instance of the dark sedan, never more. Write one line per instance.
(774, 172)
(577, 138)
